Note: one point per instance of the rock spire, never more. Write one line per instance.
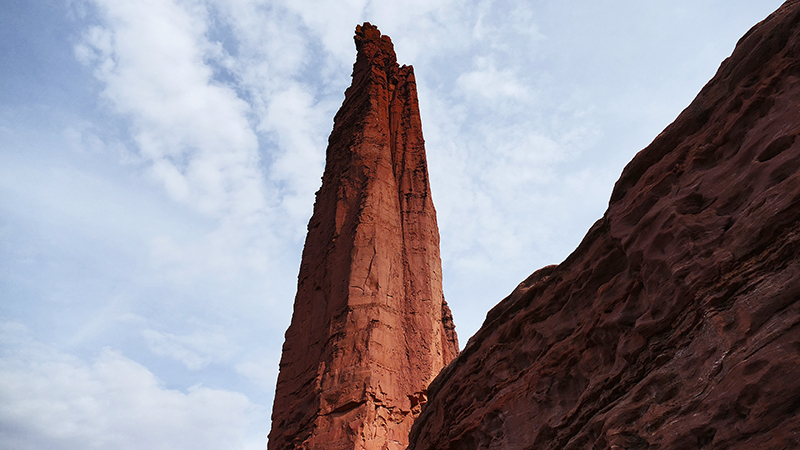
(675, 324)
(370, 328)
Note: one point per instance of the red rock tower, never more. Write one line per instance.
(370, 328)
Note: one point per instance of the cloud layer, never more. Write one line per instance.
(51, 399)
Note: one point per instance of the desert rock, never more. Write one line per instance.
(370, 328)
(676, 322)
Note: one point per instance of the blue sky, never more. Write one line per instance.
(159, 158)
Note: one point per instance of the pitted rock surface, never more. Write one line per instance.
(676, 322)
(370, 328)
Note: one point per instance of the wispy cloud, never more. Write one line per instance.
(195, 350)
(51, 399)
(196, 119)
(194, 131)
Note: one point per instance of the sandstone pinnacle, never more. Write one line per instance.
(370, 328)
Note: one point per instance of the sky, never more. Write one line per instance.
(159, 159)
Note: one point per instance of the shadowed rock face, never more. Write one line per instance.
(676, 322)
(370, 328)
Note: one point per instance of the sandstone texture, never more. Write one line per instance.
(676, 322)
(370, 328)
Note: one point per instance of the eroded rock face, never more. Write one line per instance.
(370, 328)
(676, 323)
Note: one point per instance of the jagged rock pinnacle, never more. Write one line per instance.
(370, 328)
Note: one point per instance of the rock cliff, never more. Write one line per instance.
(676, 322)
(370, 328)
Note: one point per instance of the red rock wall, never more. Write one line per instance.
(676, 322)
(370, 328)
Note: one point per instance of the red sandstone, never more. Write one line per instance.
(676, 322)
(370, 328)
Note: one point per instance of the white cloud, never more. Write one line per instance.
(260, 369)
(295, 121)
(152, 57)
(492, 86)
(51, 399)
(193, 132)
(195, 350)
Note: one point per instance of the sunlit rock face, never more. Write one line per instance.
(676, 322)
(370, 328)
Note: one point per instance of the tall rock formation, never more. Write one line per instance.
(370, 328)
(675, 324)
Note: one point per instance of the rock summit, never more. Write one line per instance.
(370, 328)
